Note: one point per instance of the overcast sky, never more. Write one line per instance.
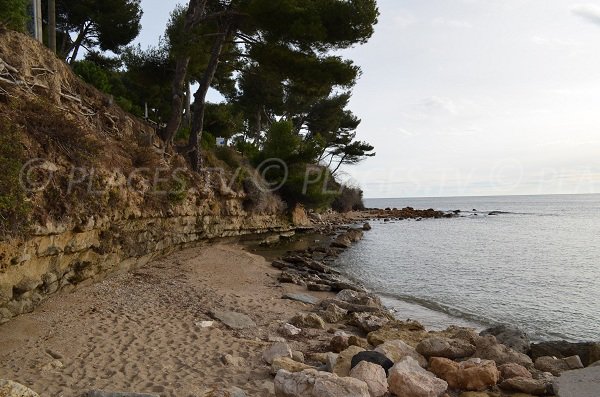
(473, 97)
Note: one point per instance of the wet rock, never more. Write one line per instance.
(444, 347)
(344, 361)
(407, 378)
(366, 227)
(342, 242)
(368, 322)
(513, 370)
(289, 330)
(233, 320)
(411, 332)
(333, 313)
(373, 375)
(372, 357)
(311, 383)
(589, 352)
(510, 336)
(556, 366)
(579, 383)
(396, 350)
(288, 364)
(488, 348)
(304, 298)
(9, 388)
(536, 387)
(310, 320)
(359, 298)
(277, 350)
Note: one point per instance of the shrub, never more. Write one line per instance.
(349, 199)
(13, 14)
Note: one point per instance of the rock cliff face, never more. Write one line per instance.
(111, 199)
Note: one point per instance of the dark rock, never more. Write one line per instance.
(510, 336)
(372, 357)
(589, 352)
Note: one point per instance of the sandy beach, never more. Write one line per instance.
(141, 331)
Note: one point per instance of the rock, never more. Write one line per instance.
(298, 356)
(311, 383)
(304, 298)
(104, 393)
(396, 350)
(233, 320)
(368, 322)
(513, 370)
(489, 349)
(411, 332)
(344, 361)
(231, 361)
(589, 352)
(372, 357)
(53, 365)
(359, 298)
(333, 313)
(318, 287)
(341, 242)
(486, 394)
(355, 235)
(536, 387)
(204, 324)
(444, 347)
(579, 383)
(373, 375)
(354, 340)
(225, 392)
(275, 339)
(338, 343)
(288, 364)
(330, 361)
(472, 375)
(596, 364)
(556, 366)
(310, 320)
(510, 336)
(9, 388)
(408, 379)
(277, 350)
(366, 227)
(289, 330)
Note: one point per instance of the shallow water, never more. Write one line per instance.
(535, 265)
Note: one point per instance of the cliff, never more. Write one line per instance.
(87, 189)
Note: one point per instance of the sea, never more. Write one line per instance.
(528, 261)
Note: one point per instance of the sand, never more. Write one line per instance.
(140, 331)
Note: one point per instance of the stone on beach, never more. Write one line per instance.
(513, 370)
(368, 322)
(372, 357)
(589, 352)
(225, 392)
(344, 361)
(444, 347)
(373, 375)
(579, 383)
(103, 393)
(488, 348)
(510, 336)
(288, 364)
(333, 313)
(536, 387)
(9, 388)
(396, 350)
(312, 383)
(408, 379)
(556, 366)
(411, 332)
(304, 298)
(289, 330)
(233, 320)
(471, 375)
(277, 350)
(339, 343)
(310, 320)
(359, 298)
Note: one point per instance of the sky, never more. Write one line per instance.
(472, 97)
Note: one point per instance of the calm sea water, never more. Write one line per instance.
(535, 265)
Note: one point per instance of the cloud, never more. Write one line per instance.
(589, 12)
(404, 19)
(451, 23)
(554, 42)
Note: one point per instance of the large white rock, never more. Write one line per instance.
(8, 388)
(373, 375)
(408, 379)
(396, 350)
(311, 383)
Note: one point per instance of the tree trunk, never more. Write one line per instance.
(52, 25)
(193, 16)
(188, 105)
(200, 96)
(77, 43)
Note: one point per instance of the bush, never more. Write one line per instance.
(13, 14)
(350, 199)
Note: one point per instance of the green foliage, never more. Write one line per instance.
(14, 209)
(13, 14)
(93, 74)
(349, 199)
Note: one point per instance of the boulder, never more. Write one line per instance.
(355, 235)
(277, 350)
(556, 366)
(536, 387)
(396, 350)
(9, 388)
(342, 241)
(233, 361)
(343, 363)
(489, 349)
(354, 340)
(510, 336)
(312, 383)
(372, 357)
(359, 298)
(233, 320)
(298, 356)
(304, 298)
(310, 320)
(366, 227)
(471, 375)
(368, 322)
(408, 379)
(339, 343)
(288, 364)
(373, 375)
(289, 330)
(579, 383)
(589, 352)
(444, 347)
(333, 313)
(411, 332)
(513, 370)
